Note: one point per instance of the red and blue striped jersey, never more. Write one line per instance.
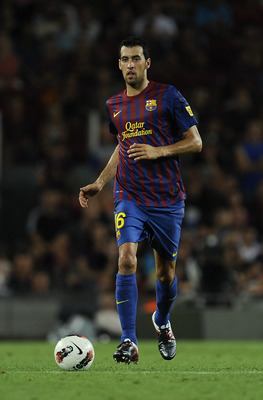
(157, 116)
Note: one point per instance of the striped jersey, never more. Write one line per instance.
(157, 116)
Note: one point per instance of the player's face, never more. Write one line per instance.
(134, 66)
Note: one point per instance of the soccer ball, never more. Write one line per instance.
(74, 352)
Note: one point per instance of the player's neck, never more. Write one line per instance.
(134, 91)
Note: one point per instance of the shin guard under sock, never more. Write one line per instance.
(126, 300)
(165, 296)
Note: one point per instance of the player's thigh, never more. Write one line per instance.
(129, 223)
(165, 228)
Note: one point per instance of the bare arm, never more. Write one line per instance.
(106, 175)
(191, 143)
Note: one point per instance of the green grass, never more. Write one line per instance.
(200, 371)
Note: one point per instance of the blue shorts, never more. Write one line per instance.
(161, 226)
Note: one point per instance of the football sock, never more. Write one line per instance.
(126, 299)
(165, 296)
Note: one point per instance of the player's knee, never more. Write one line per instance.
(127, 263)
(166, 278)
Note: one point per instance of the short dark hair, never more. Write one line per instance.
(132, 41)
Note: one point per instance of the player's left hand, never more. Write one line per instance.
(139, 151)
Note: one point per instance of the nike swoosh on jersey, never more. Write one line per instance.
(115, 114)
(123, 301)
(79, 349)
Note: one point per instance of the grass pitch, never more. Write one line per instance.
(200, 371)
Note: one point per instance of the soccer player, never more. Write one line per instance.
(154, 125)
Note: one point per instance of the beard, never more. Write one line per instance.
(133, 81)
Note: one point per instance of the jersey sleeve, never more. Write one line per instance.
(182, 112)
(112, 127)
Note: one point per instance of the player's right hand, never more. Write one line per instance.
(86, 192)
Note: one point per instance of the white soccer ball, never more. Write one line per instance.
(74, 352)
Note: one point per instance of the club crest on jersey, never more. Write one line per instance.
(151, 105)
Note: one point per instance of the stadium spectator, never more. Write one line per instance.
(50, 217)
(9, 63)
(20, 279)
(249, 158)
(41, 283)
(213, 15)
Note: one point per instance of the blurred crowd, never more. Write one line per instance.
(59, 64)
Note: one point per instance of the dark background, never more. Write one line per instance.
(58, 65)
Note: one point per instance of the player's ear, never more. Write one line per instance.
(119, 64)
(148, 63)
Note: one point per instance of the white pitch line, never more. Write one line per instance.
(220, 372)
(143, 372)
